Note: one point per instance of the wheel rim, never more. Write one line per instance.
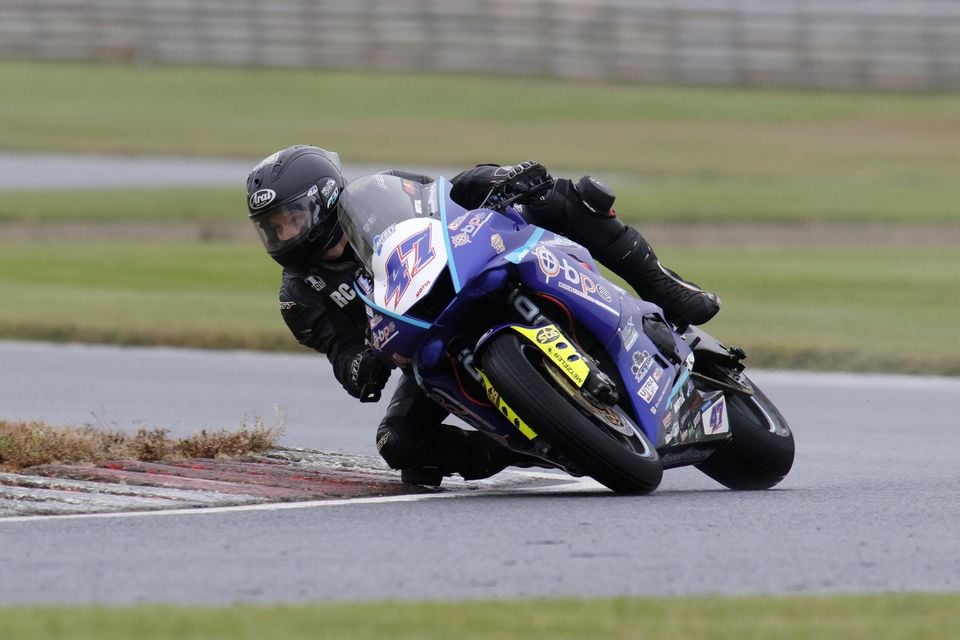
(611, 420)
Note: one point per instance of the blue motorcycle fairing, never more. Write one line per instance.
(554, 265)
(484, 249)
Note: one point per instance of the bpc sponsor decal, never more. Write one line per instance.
(469, 231)
(571, 278)
(380, 337)
(453, 226)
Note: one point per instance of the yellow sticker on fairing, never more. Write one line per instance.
(549, 340)
(497, 400)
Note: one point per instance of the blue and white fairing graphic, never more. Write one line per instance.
(410, 256)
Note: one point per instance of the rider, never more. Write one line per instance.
(292, 197)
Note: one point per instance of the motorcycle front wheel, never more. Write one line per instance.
(601, 440)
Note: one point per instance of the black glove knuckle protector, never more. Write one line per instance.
(527, 179)
(367, 377)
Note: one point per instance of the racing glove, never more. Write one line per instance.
(367, 375)
(529, 180)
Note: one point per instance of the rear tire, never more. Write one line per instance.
(761, 449)
(518, 371)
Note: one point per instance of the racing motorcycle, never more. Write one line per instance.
(514, 330)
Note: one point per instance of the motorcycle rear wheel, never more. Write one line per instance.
(761, 449)
(518, 371)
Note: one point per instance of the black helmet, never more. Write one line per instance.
(292, 197)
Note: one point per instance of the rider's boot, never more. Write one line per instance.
(584, 212)
(632, 258)
(471, 454)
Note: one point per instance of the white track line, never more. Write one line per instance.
(565, 483)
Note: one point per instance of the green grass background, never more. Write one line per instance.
(878, 617)
(674, 154)
(689, 152)
(834, 308)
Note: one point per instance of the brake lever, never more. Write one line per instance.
(373, 395)
(503, 204)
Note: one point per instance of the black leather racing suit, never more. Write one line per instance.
(323, 312)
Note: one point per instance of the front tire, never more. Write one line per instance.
(761, 449)
(519, 372)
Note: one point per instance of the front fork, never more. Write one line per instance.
(543, 334)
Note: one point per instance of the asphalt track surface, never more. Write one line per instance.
(871, 505)
(98, 171)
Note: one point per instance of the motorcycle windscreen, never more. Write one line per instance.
(370, 207)
(408, 260)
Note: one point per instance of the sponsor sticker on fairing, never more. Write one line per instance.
(715, 418)
(629, 334)
(642, 361)
(380, 337)
(648, 390)
(468, 231)
(381, 237)
(453, 226)
(571, 278)
(547, 334)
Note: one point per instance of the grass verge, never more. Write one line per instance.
(646, 200)
(699, 152)
(875, 617)
(27, 444)
(869, 309)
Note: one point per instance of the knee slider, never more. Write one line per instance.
(396, 451)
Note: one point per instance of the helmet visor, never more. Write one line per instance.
(284, 226)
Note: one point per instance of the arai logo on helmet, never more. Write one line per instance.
(262, 198)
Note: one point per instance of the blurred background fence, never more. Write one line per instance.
(909, 45)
